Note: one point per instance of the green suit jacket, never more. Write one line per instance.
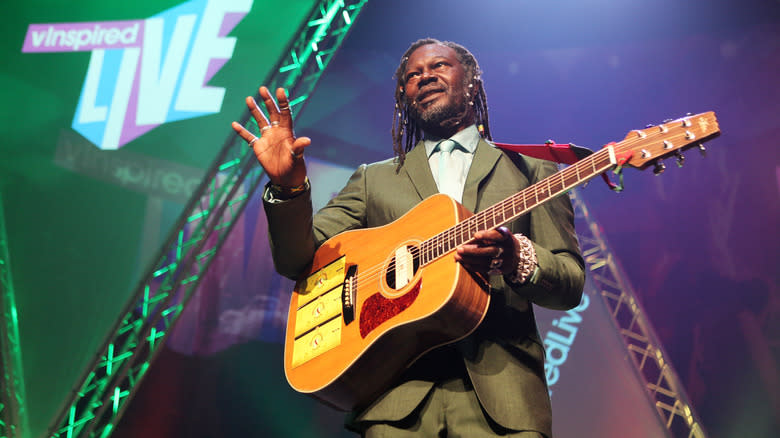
(504, 357)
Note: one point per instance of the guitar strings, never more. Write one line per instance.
(372, 273)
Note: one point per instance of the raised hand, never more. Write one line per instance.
(277, 149)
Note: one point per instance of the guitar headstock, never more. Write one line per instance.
(649, 145)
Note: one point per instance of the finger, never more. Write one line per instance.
(299, 145)
(242, 132)
(504, 232)
(270, 104)
(285, 114)
(254, 110)
(489, 237)
(476, 252)
(483, 255)
(480, 264)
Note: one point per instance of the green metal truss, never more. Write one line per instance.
(662, 385)
(102, 393)
(13, 411)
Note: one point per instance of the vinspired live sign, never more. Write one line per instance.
(143, 73)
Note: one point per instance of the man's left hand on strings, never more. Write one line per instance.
(490, 252)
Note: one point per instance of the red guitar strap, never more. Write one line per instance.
(550, 151)
(555, 152)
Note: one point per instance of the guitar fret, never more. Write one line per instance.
(576, 177)
(536, 194)
(563, 181)
(549, 189)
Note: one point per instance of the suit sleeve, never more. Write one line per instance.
(295, 232)
(560, 279)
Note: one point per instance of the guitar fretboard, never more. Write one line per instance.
(518, 204)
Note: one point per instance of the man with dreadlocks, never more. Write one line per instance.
(491, 383)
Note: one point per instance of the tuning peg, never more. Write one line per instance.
(702, 149)
(680, 158)
(658, 167)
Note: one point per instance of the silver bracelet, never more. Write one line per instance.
(527, 264)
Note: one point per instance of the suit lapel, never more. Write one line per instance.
(485, 159)
(419, 171)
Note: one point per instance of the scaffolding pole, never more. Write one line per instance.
(662, 385)
(13, 411)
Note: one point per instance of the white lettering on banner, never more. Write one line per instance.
(89, 112)
(37, 38)
(193, 94)
(118, 109)
(557, 345)
(158, 84)
(143, 73)
(63, 37)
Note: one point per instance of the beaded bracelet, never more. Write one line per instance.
(284, 192)
(527, 264)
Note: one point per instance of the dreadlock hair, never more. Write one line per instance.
(406, 133)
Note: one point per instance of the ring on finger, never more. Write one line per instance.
(284, 108)
(274, 123)
(296, 156)
(264, 128)
(253, 140)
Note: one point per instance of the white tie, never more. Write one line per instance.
(448, 180)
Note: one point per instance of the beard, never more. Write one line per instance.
(440, 117)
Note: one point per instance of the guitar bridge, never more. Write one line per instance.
(349, 294)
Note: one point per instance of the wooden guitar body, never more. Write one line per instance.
(392, 327)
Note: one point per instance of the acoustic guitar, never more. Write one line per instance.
(374, 300)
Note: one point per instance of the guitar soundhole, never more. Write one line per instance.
(402, 267)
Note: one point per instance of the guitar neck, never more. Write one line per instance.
(518, 204)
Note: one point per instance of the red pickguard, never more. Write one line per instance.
(378, 309)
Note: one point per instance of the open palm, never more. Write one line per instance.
(277, 149)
